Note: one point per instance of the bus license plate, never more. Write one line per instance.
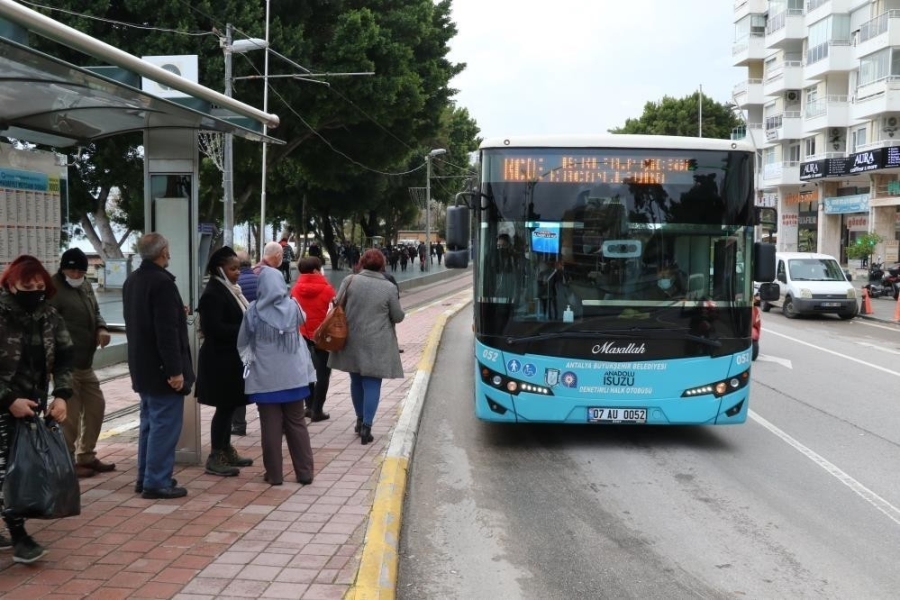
(617, 415)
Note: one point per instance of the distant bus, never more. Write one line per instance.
(613, 279)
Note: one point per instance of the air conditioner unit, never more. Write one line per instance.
(890, 122)
(835, 132)
(792, 95)
(185, 66)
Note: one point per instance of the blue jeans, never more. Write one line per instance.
(365, 393)
(161, 419)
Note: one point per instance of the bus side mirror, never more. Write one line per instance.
(763, 262)
(769, 292)
(457, 228)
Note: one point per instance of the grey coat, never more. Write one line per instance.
(373, 309)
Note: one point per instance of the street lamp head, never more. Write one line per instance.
(437, 152)
(248, 45)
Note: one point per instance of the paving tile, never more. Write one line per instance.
(148, 565)
(259, 573)
(245, 588)
(206, 585)
(157, 589)
(285, 590)
(177, 575)
(318, 591)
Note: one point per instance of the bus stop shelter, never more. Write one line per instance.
(50, 102)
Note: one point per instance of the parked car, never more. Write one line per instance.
(812, 283)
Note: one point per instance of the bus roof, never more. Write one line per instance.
(654, 142)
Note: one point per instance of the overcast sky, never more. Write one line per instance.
(584, 66)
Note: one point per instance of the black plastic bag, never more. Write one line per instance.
(40, 478)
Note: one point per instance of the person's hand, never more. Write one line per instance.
(22, 407)
(103, 338)
(57, 410)
(176, 382)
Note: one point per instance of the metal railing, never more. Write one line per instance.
(820, 106)
(740, 132)
(744, 86)
(742, 44)
(876, 26)
(824, 155)
(812, 5)
(779, 21)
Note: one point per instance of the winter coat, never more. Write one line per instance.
(373, 309)
(314, 293)
(81, 312)
(220, 374)
(156, 329)
(247, 282)
(43, 327)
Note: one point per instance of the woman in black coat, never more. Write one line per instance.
(220, 381)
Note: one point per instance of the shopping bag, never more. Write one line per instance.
(331, 335)
(40, 478)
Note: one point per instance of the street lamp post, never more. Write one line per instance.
(428, 157)
(230, 48)
(262, 199)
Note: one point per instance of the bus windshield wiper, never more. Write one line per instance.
(618, 334)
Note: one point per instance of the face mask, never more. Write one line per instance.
(665, 284)
(75, 283)
(30, 300)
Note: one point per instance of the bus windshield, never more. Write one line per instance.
(616, 240)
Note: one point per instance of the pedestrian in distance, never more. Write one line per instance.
(35, 346)
(247, 282)
(277, 373)
(287, 255)
(314, 294)
(77, 304)
(371, 353)
(159, 360)
(439, 252)
(220, 381)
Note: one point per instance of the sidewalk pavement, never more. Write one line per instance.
(237, 536)
(883, 308)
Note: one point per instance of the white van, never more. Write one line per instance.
(812, 283)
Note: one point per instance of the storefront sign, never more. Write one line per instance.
(830, 167)
(892, 157)
(865, 161)
(858, 203)
(789, 220)
(858, 223)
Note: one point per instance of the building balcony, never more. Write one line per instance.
(742, 8)
(752, 131)
(787, 126)
(875, 98)
(787, 76)
(885, 143)
(749, 92)
(833, 56)
(881, 32)
(828, 113)
(783, 173)
(748, 49)
(824, 156)
(817, 10)
(785, 28)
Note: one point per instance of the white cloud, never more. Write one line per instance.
(584, 66)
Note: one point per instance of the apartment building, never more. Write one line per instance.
(821, 99)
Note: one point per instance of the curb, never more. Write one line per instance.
(376, 577)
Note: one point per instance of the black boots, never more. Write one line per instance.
(365, 434)
(358, 425)
(314, 410)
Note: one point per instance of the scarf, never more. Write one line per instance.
(274, 317)
(235, 290)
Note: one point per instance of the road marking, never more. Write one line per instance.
(784, 362)
(882, 505)
(844, 356)
(871, 324)
(877, 347)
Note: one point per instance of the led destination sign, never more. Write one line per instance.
(643, 169)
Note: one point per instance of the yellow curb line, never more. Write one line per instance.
(376, 577)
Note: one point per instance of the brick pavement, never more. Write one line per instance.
(230, 537)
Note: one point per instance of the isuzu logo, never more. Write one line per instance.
(612, 348)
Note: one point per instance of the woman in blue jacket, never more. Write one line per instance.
(277, 373)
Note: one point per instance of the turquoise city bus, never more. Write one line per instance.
(613, 279)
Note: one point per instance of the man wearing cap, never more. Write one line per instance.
(76, 302)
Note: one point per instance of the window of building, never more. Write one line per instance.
(794, 153)
(874, 67)
(858, 138)
(810, 146)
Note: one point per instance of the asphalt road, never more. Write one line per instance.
(799, 502)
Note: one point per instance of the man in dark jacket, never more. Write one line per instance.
(76, 303)
(159, 359)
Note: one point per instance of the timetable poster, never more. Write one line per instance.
(29, 216)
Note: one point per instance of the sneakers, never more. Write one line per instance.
(26, 551)
(217, 464)
(5, 543)
(233, 459)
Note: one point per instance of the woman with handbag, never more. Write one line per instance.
(278, 372)
(35, 347)
(219, 370)
(371, 352)
(314, 294)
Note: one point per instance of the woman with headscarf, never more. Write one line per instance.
(371, 353)
(219, 370)
(277, 373)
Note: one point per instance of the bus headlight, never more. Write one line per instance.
(719, 388)
(511, 385)
(805, 293)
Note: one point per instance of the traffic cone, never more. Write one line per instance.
(867, 303)
(897, 310)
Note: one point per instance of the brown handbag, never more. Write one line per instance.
(331, 335)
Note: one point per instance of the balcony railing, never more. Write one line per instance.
(812, 5)
(876, 26)
(778, 70)
(824, 155)
(819, 107)
(744, 86)
(820, 52)
(779, 21)
(777, 121)
(743, 43)
(740, 132)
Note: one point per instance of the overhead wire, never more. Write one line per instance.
(115, 22)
